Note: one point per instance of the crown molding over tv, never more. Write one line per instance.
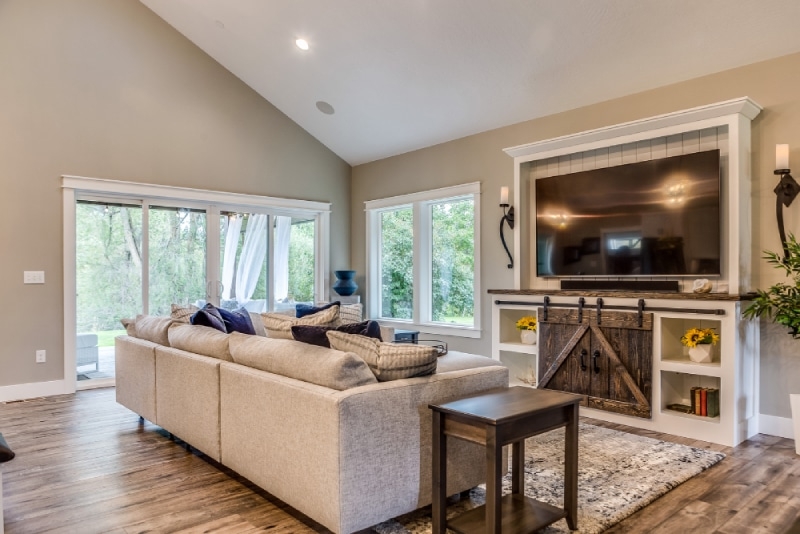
(653, 218)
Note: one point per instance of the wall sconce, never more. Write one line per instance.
(508, 216)
(786, 190)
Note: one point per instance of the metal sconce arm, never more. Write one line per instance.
(785, 192)
(508, 216)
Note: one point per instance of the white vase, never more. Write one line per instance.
(701, 353)
(528, 336)
(794, 400)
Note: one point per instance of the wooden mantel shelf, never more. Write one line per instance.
(623, 294)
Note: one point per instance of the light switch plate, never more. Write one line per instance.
(33, 277)
(41, 356)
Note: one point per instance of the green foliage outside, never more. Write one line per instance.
(301, 262)
(397, 263)
(452, 262)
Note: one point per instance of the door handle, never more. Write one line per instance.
(596, 355)
(583, 364)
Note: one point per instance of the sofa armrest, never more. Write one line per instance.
(136, 375)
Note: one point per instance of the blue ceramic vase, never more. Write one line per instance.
(345, 284)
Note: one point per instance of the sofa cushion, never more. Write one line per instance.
(152, 328)
(315, 335)
(324, 367)
(208, 315)
(202, 340)
(301, 310)
(258, 324)
(237, 321)
(389, 361)
(182, 314)
(279, 325)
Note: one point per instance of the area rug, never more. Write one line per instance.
(618, 474)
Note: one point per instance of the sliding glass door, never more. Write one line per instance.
(108, 279)
(244, 246)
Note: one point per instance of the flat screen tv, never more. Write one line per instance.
(656, 218)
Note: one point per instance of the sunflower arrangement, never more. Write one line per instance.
(700, 336)
(527, 323)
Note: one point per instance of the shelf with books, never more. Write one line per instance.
(693, 395)
(690, 367)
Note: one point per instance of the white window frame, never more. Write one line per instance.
(78, 187)
(421, 203)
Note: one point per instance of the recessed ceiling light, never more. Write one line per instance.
(326, 108)
(302, 44)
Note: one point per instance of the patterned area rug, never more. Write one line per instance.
(618, 474)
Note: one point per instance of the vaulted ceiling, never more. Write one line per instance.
(406, 74)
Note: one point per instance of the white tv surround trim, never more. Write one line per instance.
(735, 114)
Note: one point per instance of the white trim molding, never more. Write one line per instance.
(734, 115)
(773, 425)
(420, 203)
(33, 390)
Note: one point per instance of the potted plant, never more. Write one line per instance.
(781, 304)
(527, 329)
(700, 342)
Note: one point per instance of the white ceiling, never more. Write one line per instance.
(406, 74)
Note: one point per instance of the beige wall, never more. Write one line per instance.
(773, 84)
(106, 89)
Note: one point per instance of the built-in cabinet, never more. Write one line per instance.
(624, 377)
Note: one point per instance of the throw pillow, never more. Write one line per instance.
(182, 314)
(199, 340)
(208, 315)
(237, 321)
(130, 326)
(153, 328)
(324, 367)
(315, 335)
(389, 361)
(301, 310)
(279, 326)
(350, 313)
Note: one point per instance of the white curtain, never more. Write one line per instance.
(251, 262)
(283, 233)
(229, 256)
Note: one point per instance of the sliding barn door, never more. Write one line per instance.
(608, 358)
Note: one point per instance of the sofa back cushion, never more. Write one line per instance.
(202, 340)
(324, 367)
(149, 327)
(279, 325)
(389, 361)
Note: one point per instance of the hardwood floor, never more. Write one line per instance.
(85, 465)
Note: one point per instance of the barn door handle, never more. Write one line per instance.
(583, 364)
(596, 355)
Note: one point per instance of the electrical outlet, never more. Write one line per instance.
(33, 277)
(41, 356)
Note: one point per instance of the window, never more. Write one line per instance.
(423, 260)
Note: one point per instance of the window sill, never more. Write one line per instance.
(435, 329)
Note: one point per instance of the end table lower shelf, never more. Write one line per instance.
(519, 514)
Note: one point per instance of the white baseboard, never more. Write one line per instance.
(776, 426)
(35, 389)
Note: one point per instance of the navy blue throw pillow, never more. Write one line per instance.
(301, 310)
(237, 321)
(208, 315)
(315, 335)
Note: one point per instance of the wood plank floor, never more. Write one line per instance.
(85, 465)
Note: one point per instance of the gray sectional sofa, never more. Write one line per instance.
(347, 457)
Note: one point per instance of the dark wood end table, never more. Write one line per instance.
(493, 420)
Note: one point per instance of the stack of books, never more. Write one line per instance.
(705, 401)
